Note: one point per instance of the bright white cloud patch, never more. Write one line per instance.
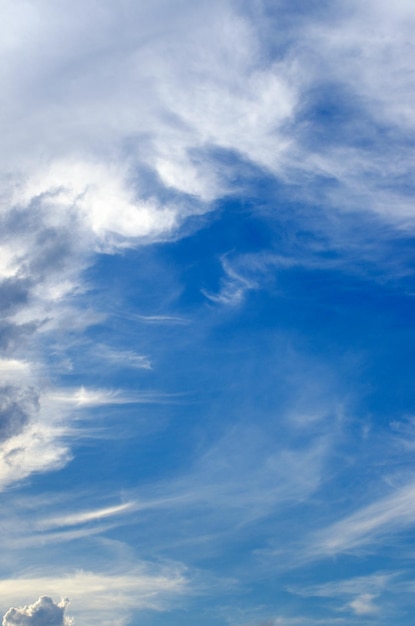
(44, 612)
(37, 448)
(120, 107)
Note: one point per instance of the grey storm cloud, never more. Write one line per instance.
(44, 612)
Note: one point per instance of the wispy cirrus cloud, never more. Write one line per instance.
(233, 286)
(37, 425)
(363, 528)
(296, 621)
(83, 517)
(357, 595)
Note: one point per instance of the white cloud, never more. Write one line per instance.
(113, 116)
(364, 605)
(363, 52)
(38, 423)
(108, 91)
(38, 448)
(239, 480)
(115, 93)
(297, 621)
(111, 119)
(375, 39)
(371, 584)
(17, 408)
(123, 358)
(104, 599)
(108, 139)
(42, 613)
(356, 595)
(75, 519)
(233, 286)
(391, 514)
(101, 199)
(82, 397)
(61, 399)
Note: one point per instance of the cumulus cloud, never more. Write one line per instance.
(99, 599)
(44, 612)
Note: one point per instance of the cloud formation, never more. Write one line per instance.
(359, 595)
(17, 407)
(391, 514)
(124, 128)
(96, 598)
(122, 124)
(44, 612)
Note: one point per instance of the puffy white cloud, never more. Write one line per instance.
(44, 612)
(98, 598)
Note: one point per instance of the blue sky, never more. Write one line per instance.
(207, 297)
